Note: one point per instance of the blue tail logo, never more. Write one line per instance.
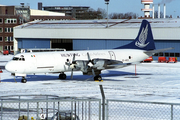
(144, 40)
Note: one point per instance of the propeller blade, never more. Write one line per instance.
(74, 57)
(91, 65)
(88, 56)
(93, 72)
(72, 74)
(73, 62)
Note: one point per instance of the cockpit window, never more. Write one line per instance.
(18, 59)
(15, 58)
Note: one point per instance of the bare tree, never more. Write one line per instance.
(102, 12)
(156, 14)
(91, 14)
(123, 15)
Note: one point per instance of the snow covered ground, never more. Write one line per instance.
(154, 82)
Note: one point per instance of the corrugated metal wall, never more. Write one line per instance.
(110, 44)
(98, 44)
(33, 43)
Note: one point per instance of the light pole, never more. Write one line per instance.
(107, 2)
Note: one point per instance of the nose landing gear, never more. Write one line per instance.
(23, 80)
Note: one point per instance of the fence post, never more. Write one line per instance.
(103, 102)
(107, 112)
(99, 109)
(171, 112)
(89, 110)
(37, 110)
(28, 110)
(58, 111)
(71, 110)
(82, 110)
(46, 106)
(1, 109)
(19, 105)
(54, 107)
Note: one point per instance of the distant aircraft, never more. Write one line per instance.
(90, 62)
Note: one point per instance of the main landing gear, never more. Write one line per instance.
(23, 80)
(62, 76)
(97, 78)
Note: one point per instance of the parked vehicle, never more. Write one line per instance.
(64, 115)
(150, 59)
(162, 59)
(6, 52)
(172, 59)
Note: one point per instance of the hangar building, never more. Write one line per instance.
(95, 34)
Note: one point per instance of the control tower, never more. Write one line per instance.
(147, 8)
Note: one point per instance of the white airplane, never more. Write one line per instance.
(90, 62)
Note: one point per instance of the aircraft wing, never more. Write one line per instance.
(151, 52)
(98, 64)
(101, 64)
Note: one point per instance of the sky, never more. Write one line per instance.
(115, 6)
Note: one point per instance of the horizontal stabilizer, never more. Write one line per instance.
(151, 52)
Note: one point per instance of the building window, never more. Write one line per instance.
(8, 30)
(1, 30)
(1, 48)
(9, 39)
(11, 47)
(177, 55)
(1, 39)
(1, 20)
(11, 20)
(161, 54)
(171, 54)
(6, 47)
(168, 54)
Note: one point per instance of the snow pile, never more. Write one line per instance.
(153, 82)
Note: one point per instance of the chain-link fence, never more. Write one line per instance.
(50, 108)
(139, 110)
(70, 108)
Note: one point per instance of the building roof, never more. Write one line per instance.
(67, 6)
(112, 23)
(45, 13)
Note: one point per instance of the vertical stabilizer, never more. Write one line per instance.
(144, 40)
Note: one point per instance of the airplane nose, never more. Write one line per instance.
(8, 67)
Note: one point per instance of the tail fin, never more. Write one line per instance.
(144, 40)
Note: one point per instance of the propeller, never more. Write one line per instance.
(71, 65)
(91, 64)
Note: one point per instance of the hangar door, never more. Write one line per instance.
(62, 43)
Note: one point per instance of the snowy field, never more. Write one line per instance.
(154, 81)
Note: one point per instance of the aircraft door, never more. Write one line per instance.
(112, 55)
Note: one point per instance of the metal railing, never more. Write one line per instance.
(49, 108)
(140, 110)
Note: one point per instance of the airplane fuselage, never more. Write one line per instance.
(54, 62)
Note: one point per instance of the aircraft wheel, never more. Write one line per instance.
(62, 76)
(98, 77)
(23, 80)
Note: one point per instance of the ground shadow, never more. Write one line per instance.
(110, 74)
